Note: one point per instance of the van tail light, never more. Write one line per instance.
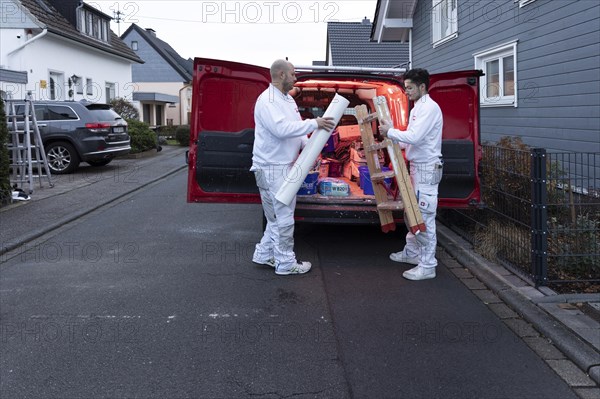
(98, 127)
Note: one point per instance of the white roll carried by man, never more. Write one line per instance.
(299, 170)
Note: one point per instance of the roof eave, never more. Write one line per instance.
(393, 24)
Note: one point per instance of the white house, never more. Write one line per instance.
(62, 50)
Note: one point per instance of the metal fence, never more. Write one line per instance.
(541, 215)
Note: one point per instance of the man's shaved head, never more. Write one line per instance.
(280, 66)
(283, 75)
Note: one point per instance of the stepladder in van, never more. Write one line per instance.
(386, 199)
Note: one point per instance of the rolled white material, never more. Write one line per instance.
(298, 172)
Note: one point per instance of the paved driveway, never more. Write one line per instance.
(154, 297)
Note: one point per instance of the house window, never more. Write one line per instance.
(102, 30)
(79, 86)
(105, 31)
(134, 45)
(444, 21)
(110, 92)
(93, 25)
(89, 87)
(500, 68)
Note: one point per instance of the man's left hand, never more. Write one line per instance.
(326, 123)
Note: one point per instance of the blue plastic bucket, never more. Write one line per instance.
(365, 179)
(332, 142)
(309, 186)
(363, 173)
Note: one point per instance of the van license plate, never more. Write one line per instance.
(118, 129)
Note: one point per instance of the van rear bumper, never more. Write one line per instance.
(339, 214)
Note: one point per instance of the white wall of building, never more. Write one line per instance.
(9, 40)
(53, 55)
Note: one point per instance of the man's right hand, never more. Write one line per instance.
(384, 127)
(326, 123)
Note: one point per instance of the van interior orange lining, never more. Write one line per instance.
(332, 84)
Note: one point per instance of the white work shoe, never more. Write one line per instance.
(298, 268)
(401, 257)
(419, 273)
(270, 262)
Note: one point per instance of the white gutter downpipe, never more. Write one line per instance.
(78, 16)
(28, 42)
(410, 64)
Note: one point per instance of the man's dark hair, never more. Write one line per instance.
(418, 76)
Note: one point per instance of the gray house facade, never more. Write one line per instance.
(163, 83)
(541, 60)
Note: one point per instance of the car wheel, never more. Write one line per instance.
(100, 162)
(62, 157)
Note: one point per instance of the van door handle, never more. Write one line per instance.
(42, 125)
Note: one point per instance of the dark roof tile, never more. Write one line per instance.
(56, 23)
(351, 45)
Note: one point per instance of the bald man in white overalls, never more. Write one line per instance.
(279, 135)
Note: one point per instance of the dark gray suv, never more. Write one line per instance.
(79, 131)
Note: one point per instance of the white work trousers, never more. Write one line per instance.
(425, 178)
(278, 239)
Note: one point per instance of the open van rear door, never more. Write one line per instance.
(222, 131)
(457, 94)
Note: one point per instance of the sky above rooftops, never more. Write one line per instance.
(253, 32)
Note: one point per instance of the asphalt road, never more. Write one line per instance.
(152, 297)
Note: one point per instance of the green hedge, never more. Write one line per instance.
(5, 195)
(142, 137)
(182, 135)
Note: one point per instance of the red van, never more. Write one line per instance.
(222, 135)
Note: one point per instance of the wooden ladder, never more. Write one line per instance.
(385, 205)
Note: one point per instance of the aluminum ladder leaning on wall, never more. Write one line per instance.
(28, 158)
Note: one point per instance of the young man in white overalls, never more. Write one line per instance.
(423, 143)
